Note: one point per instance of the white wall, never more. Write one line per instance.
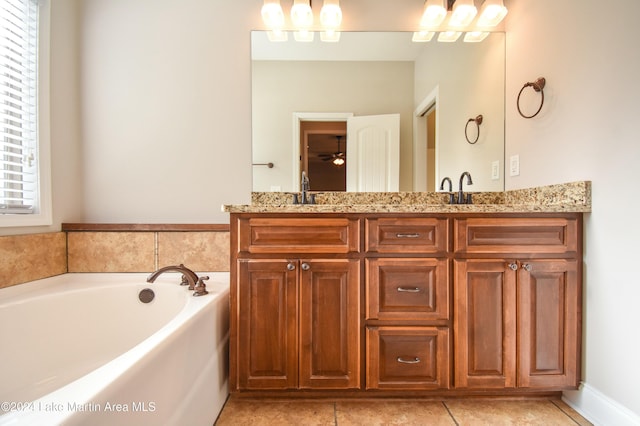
(588, 129)
(281, 88)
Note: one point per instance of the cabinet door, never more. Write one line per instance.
(548, 324)
(484, 324)
(407, 357)
(267, 334)
(330, 324)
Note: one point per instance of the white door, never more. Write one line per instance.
(373, 153)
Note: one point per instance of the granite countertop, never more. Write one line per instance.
(568, 197)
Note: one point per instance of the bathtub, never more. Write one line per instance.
(81, 349)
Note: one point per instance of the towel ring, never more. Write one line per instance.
(478, 121)
(537, 85)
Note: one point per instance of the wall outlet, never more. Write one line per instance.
(514, 165)
(495, 170)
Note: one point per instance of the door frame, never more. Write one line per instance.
(310, 116)
(431, 101)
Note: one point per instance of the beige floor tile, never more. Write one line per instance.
(257, 412)
(496, 412)
(571, 413)
(390, 412)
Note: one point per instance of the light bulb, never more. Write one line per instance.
(434, 13)
(301, 14)
(272, 14)
(492, 13)
(331, 14)
(463, 13)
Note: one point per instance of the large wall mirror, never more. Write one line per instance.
(435, 88)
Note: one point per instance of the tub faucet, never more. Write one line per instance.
(461, 197)
(452, 199)
(188, 275)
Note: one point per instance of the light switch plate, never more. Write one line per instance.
(495, 170)
(514, 165)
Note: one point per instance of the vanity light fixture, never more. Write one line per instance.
(338, 161)
(331, 14)
(422, 36)
(463, 13)
(491, 13)
(434, 13)
(272, 14)
(449, 36)
(301, 14)
(475, 36)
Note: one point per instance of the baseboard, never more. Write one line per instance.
(598, 408)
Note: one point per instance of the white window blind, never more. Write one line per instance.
(18, 106)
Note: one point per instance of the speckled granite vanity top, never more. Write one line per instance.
(568, 197)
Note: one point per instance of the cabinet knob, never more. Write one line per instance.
(305, 266)
(291, 266)
(402, 360)
(513, 266)
(527, 267)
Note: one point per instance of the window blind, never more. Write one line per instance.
(18, 106)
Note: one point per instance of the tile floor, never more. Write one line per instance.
(240, 411)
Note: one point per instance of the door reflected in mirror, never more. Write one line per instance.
(433, 87)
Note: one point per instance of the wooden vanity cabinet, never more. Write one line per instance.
(517, 303)
(449, 304)
(296, 304)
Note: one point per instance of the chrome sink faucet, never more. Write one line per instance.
(195, 283)
(462, 199)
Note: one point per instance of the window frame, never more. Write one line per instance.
(43, 214)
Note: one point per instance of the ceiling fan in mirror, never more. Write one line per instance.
(338, 158)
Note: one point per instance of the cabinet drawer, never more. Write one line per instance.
(299, 235)
(408, 289)
(516, 235)
(406, 235)
(407, 358)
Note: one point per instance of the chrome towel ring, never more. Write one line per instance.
(478, 121)
(537, 85)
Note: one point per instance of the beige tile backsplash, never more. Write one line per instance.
(26, 258)
(30, 257)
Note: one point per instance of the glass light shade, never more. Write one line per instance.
(304, 36)
(463, 13)
(272, 14)
(301, 14)
(434, 13)
(475, 36)
(331, 14)
(422, 36)
(277, 35)
(338, 161)
(492, 13)
(330, 36)
(449, 36)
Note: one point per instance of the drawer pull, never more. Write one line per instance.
(513, 266)
(306, 266)
(415, 235)
(415, 360)
(291, 266)
(408, 290)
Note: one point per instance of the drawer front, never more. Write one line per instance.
(299, 235)
(516, 235)
(413, 289)
(407, 235)
(407, 358)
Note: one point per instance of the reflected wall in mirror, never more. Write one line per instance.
(371, 73)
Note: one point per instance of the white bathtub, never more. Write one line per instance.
(83, 349)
